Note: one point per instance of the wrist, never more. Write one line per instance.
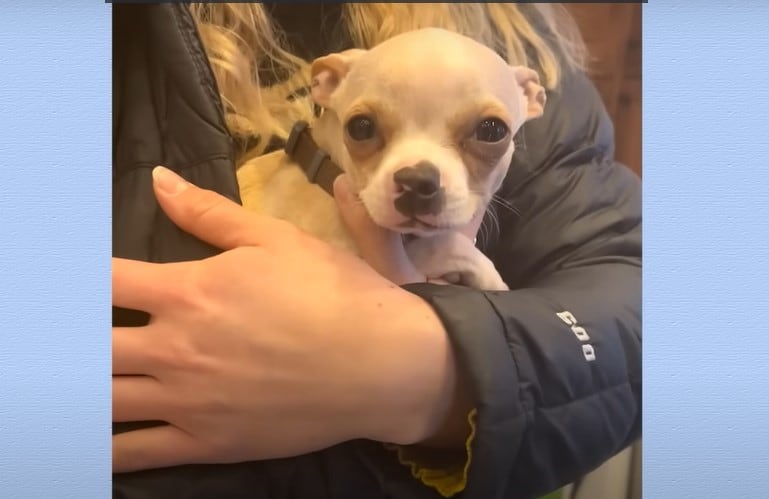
(424, 400)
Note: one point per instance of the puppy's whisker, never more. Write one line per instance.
(483, 231)
(504, 203)
(501, 201)
(490, 223)
(495, 219)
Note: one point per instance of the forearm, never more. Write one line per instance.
(452, 427)
(422, 397)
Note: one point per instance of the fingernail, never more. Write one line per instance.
(167, 181)
(341, 188)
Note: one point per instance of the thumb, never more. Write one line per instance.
(367, 234)
(207, 215)
(381, 248)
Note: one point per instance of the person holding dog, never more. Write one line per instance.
(283, 367)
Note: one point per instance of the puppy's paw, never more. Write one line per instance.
(487, 279)
(452, 257)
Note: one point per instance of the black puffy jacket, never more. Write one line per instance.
(554, 365)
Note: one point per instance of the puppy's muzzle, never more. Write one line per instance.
(421, 191)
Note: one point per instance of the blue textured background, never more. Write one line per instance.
(706, 181)
(706, 231)
(55, 245)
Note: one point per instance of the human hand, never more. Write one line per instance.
(279, 346)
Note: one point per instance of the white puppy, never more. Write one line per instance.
(423, 125)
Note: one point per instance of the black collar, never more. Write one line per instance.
(315, 162)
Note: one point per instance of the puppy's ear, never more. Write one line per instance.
(329, 71)
(533, 92)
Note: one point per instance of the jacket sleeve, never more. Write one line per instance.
(554, 364)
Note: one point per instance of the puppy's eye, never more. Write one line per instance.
(361, 128)
(491, 130)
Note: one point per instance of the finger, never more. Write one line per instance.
(367, 234)
(156, 447)
(210, 216)
(134, 351)
(139, 398)
(143, 286)
(381, 248)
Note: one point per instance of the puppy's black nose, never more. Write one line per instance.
(423, 179)
(422, 192)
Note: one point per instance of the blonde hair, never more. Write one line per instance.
(244, 46)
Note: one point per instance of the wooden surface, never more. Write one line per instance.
(613, 35)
